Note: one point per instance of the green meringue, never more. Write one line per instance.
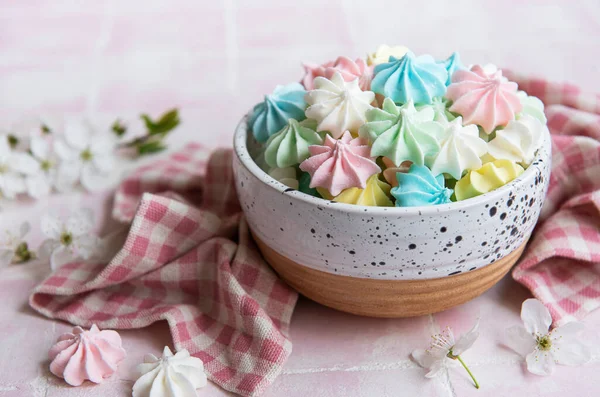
(440, 106)
(402, 133)
(532, 106)
(289, 146)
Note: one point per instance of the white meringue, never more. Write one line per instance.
(171, 375)
(461, 149)
(338, 106)
(518, 141)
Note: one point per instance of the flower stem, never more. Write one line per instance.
(469, 371)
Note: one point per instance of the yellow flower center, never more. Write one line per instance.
(86, 155)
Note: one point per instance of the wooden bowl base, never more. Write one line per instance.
(388, 298)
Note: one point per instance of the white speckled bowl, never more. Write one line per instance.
(389, 262)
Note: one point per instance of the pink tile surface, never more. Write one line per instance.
(215, 60)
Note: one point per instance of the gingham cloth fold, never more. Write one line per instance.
(561, 265)
(188, 259)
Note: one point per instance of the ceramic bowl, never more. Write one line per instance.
(389, 262)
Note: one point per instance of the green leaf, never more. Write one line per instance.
(150, 147)
(118, 128)
(167, 122)
(45, 129)
(13, 141)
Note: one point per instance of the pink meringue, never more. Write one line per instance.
(488, 100)
(311, 72)
(340, 164)
(86, 355)
(352, 70)
(349, 69)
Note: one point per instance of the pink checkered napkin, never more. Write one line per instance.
(188, 259)
(561, 265)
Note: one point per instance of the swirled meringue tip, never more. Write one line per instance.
(452, 64)
(461, 149)
(273, 113)
(518, 141)
(417, 78)
(402, 133)
(484, 99)
(352, 70)
(172, 375)
(338, 105)
(383, 54)
(86, 355)
(375, 194)
(489, 177)
(419, 187)
(289, 146)
(340, 164)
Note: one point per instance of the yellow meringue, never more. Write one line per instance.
(375, 194)
(383, 53)
(487, 178)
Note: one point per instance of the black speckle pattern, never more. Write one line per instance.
(386, 243)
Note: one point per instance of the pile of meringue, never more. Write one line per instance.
(397, 129)
(95, 354)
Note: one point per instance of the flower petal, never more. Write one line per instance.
(518, 339)
(80, 222)
(92, 180)
(6, 256)
(51, 226)
(536, 317)
(423, 358)
(25, 164)
(103, 163)
(540, 363)
(66, 176)
(77, 135)
(567, 350)
(64, 151)
(466, 341)
(24, 229)
(38, 186)
(47, 248)
(568, 330)
(39, 147)
(436, 368)
(61, 256)
(88, 246)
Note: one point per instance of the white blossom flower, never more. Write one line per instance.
(13, 165)
(70, 240)
(40, 182)
(444, 348)
(87, 156)
(13, 248)
(544, 348)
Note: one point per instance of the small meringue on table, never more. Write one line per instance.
(172, 375)
(86, 355)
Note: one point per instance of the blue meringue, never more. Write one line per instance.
(418, 187)
(452, 64)
(417, 78)
(286, 102)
